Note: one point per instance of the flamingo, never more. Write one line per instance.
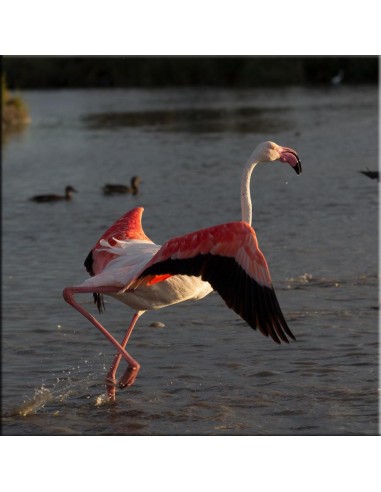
(112, 189)
(55, 198)
(127, 265)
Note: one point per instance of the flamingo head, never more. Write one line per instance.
(270, 151)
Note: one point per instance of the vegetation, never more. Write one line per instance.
(68, 72)
(14, 112)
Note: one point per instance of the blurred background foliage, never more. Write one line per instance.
(138, 71)
(14, 111)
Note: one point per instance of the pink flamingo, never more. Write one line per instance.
(128, 266)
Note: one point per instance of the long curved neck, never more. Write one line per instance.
(246, 207)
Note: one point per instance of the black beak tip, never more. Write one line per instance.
(298, 168)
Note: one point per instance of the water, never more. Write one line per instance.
(205, 371)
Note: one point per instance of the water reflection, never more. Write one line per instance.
(197, 120)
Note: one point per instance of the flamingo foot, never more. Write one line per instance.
(129, 376)
(111, 388)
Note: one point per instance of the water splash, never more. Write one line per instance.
(60, 391)
(304, 278)
(307, 280)
(41, 397)
(102, 400)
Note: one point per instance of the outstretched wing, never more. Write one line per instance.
(128, 227)
(228, 257)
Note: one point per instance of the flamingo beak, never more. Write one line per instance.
(298, 166)
(290, 156)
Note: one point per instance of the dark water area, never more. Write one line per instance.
(205, 372)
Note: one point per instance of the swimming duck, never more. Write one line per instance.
(371, 174)
(112, 189)
(54, 198)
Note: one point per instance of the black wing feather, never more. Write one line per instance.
(255, 303)
(98, 298)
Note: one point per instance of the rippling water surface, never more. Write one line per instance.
(205, 371)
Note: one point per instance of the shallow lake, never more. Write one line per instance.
(205, 371)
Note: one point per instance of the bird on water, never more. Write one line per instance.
(126, 265)
(69, 190)
(371, 174)
(114, 189)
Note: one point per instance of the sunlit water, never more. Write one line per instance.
(205, 371)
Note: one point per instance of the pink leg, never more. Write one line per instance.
(133, 365)
(129, 376)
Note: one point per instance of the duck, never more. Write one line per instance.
(55, 198)
(371, 174)
(112, 189)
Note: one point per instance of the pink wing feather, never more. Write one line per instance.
(228, 257)
(232, 240)
(128, 227)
